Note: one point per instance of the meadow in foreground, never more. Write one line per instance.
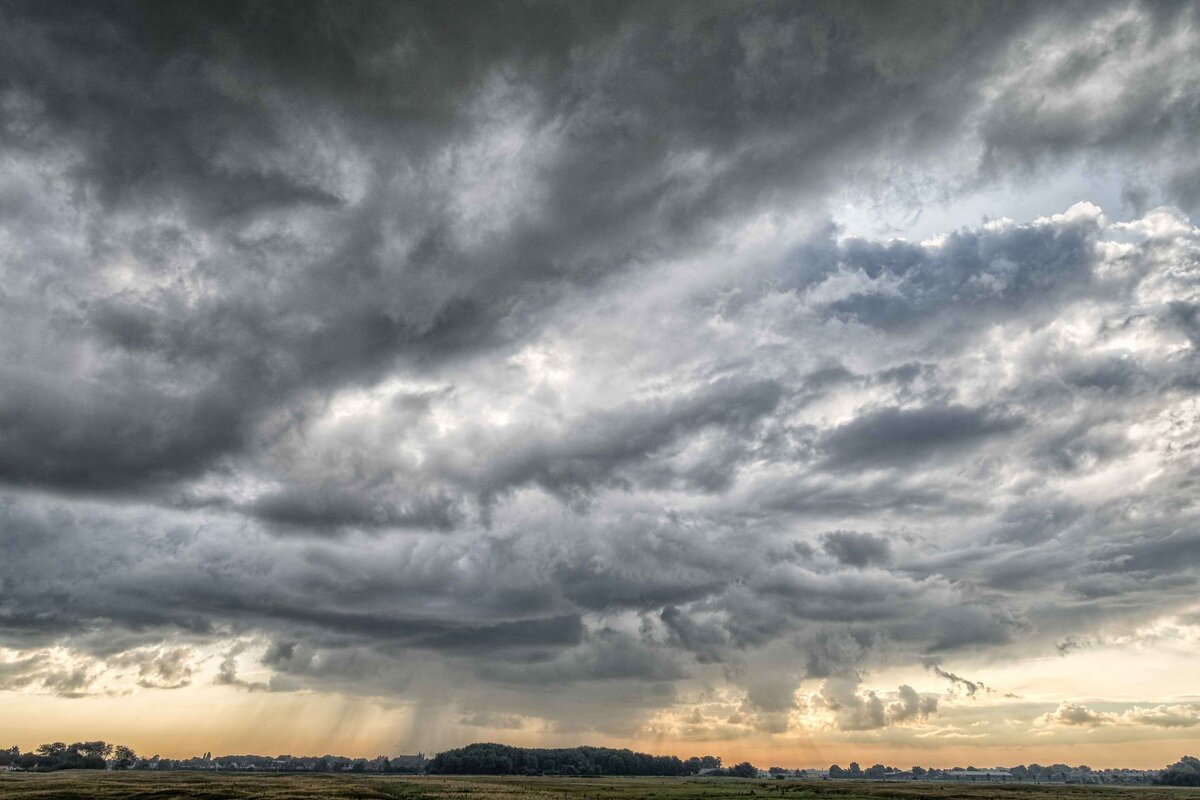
(85, 785)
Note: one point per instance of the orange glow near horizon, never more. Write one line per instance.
(185, 723)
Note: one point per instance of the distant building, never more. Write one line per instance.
(978, 775)
(1081, 776)
(416, 762)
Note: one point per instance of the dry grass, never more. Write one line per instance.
(210, 786)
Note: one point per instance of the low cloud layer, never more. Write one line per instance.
(593, 370)
(1160, 716)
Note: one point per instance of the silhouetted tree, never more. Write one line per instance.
(123, 757)
(1184, 772)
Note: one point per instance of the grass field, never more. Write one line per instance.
(210, 786)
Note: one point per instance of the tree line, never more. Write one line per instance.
(501, 759)
(78, 755)
(101, 755)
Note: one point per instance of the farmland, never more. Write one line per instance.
(86, 785)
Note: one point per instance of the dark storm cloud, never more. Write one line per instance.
(979, 274)
(856, 549)
(230, 117)
(891, 436)
(51, 434)
(21, 672)
(607, 655)
(1043, 111)
(321, 507)
(707, 640)
(1157, 552)
(824, 498)
(616, 588)
(1030, 522)
(192, 109)
(67, 683)
(162, 669)
(527, 346)
(198, 109)
(599, 445)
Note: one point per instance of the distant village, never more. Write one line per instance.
(494, 759)
(402, 764)
(1057, 773)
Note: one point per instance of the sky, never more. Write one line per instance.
(795, 382)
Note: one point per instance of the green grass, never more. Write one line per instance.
(212, 786)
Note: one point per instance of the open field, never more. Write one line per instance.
(211, 786)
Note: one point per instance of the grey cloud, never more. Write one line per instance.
(1182, 715)
(1167, 716)
(1157, 552)
(161, 669)
(429, 633)
(833, 651)
(969, 686)
(489, 720)
(971, 625)
(856, 549)
(603, 442)
(1082, 445)
(22, 672)
(971, 278)
(707, 640)
(855, 710)
(822, 497)
(893, 436)
(631, 443)
(771, 693)
(1078, 715)
(72, 683)
(911, 705)
(564, 630)
(297, 666)
(227, 671)
(52, 435)
(1071, 644)
(1028, 522)
(615, 588)
(1141, 113)
(326, 508)
(606, 655)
